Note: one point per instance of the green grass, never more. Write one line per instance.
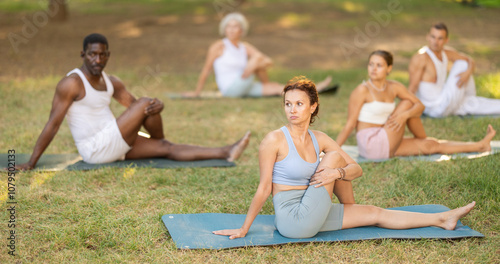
(489, 85)
(113, 215)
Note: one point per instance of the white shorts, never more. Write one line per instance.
(244, 87)
(105, 146)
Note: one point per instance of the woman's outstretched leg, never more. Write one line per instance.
(320, 86)
(272, 88)
(366, 215)
(414, 146)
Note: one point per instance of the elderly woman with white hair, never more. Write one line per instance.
(237, 64)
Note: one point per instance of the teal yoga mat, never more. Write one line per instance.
(194, 231)
(353, 152)
(57, 162)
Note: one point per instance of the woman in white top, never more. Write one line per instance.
(236, 64)
(380, 124)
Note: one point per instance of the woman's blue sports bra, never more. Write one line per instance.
(293, 170)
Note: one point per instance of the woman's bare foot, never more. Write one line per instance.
(239, 147)
(323, 84)
(450, 218)
(485, 142)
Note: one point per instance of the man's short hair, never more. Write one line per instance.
(94, 38)
(441, 26)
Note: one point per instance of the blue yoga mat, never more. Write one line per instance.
(194, 231)
(353, 152)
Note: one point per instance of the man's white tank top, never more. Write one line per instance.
(91, 114)
(440, 65)
(230, 65)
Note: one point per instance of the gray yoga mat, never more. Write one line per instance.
(194, 231)
(203, 95)
(332, 90)
(56, 162)
(207, 95)
(464, 116)
(495, 148)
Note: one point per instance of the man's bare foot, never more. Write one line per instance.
(323, 84)
(239, 147)
(485, 142)
(450, 218)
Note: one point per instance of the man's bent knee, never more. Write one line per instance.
(460, 66)
(143, 100)
(140, 104)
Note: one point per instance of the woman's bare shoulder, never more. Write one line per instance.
(217, 45)
(360, 92)
(362, 88)
(274, 136)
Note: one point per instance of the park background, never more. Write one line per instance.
(113, 215)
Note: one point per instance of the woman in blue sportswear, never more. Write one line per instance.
(302, 186)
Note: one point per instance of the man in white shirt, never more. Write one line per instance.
(84, 96)
(444, 95)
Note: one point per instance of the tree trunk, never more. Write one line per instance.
(58, 10)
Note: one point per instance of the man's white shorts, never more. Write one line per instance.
(105, 146)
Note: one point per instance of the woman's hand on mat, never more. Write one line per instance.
(396, 122)
(324, 176)
(232, 233)
(155, 106)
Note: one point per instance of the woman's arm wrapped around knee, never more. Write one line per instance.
(330, 169)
